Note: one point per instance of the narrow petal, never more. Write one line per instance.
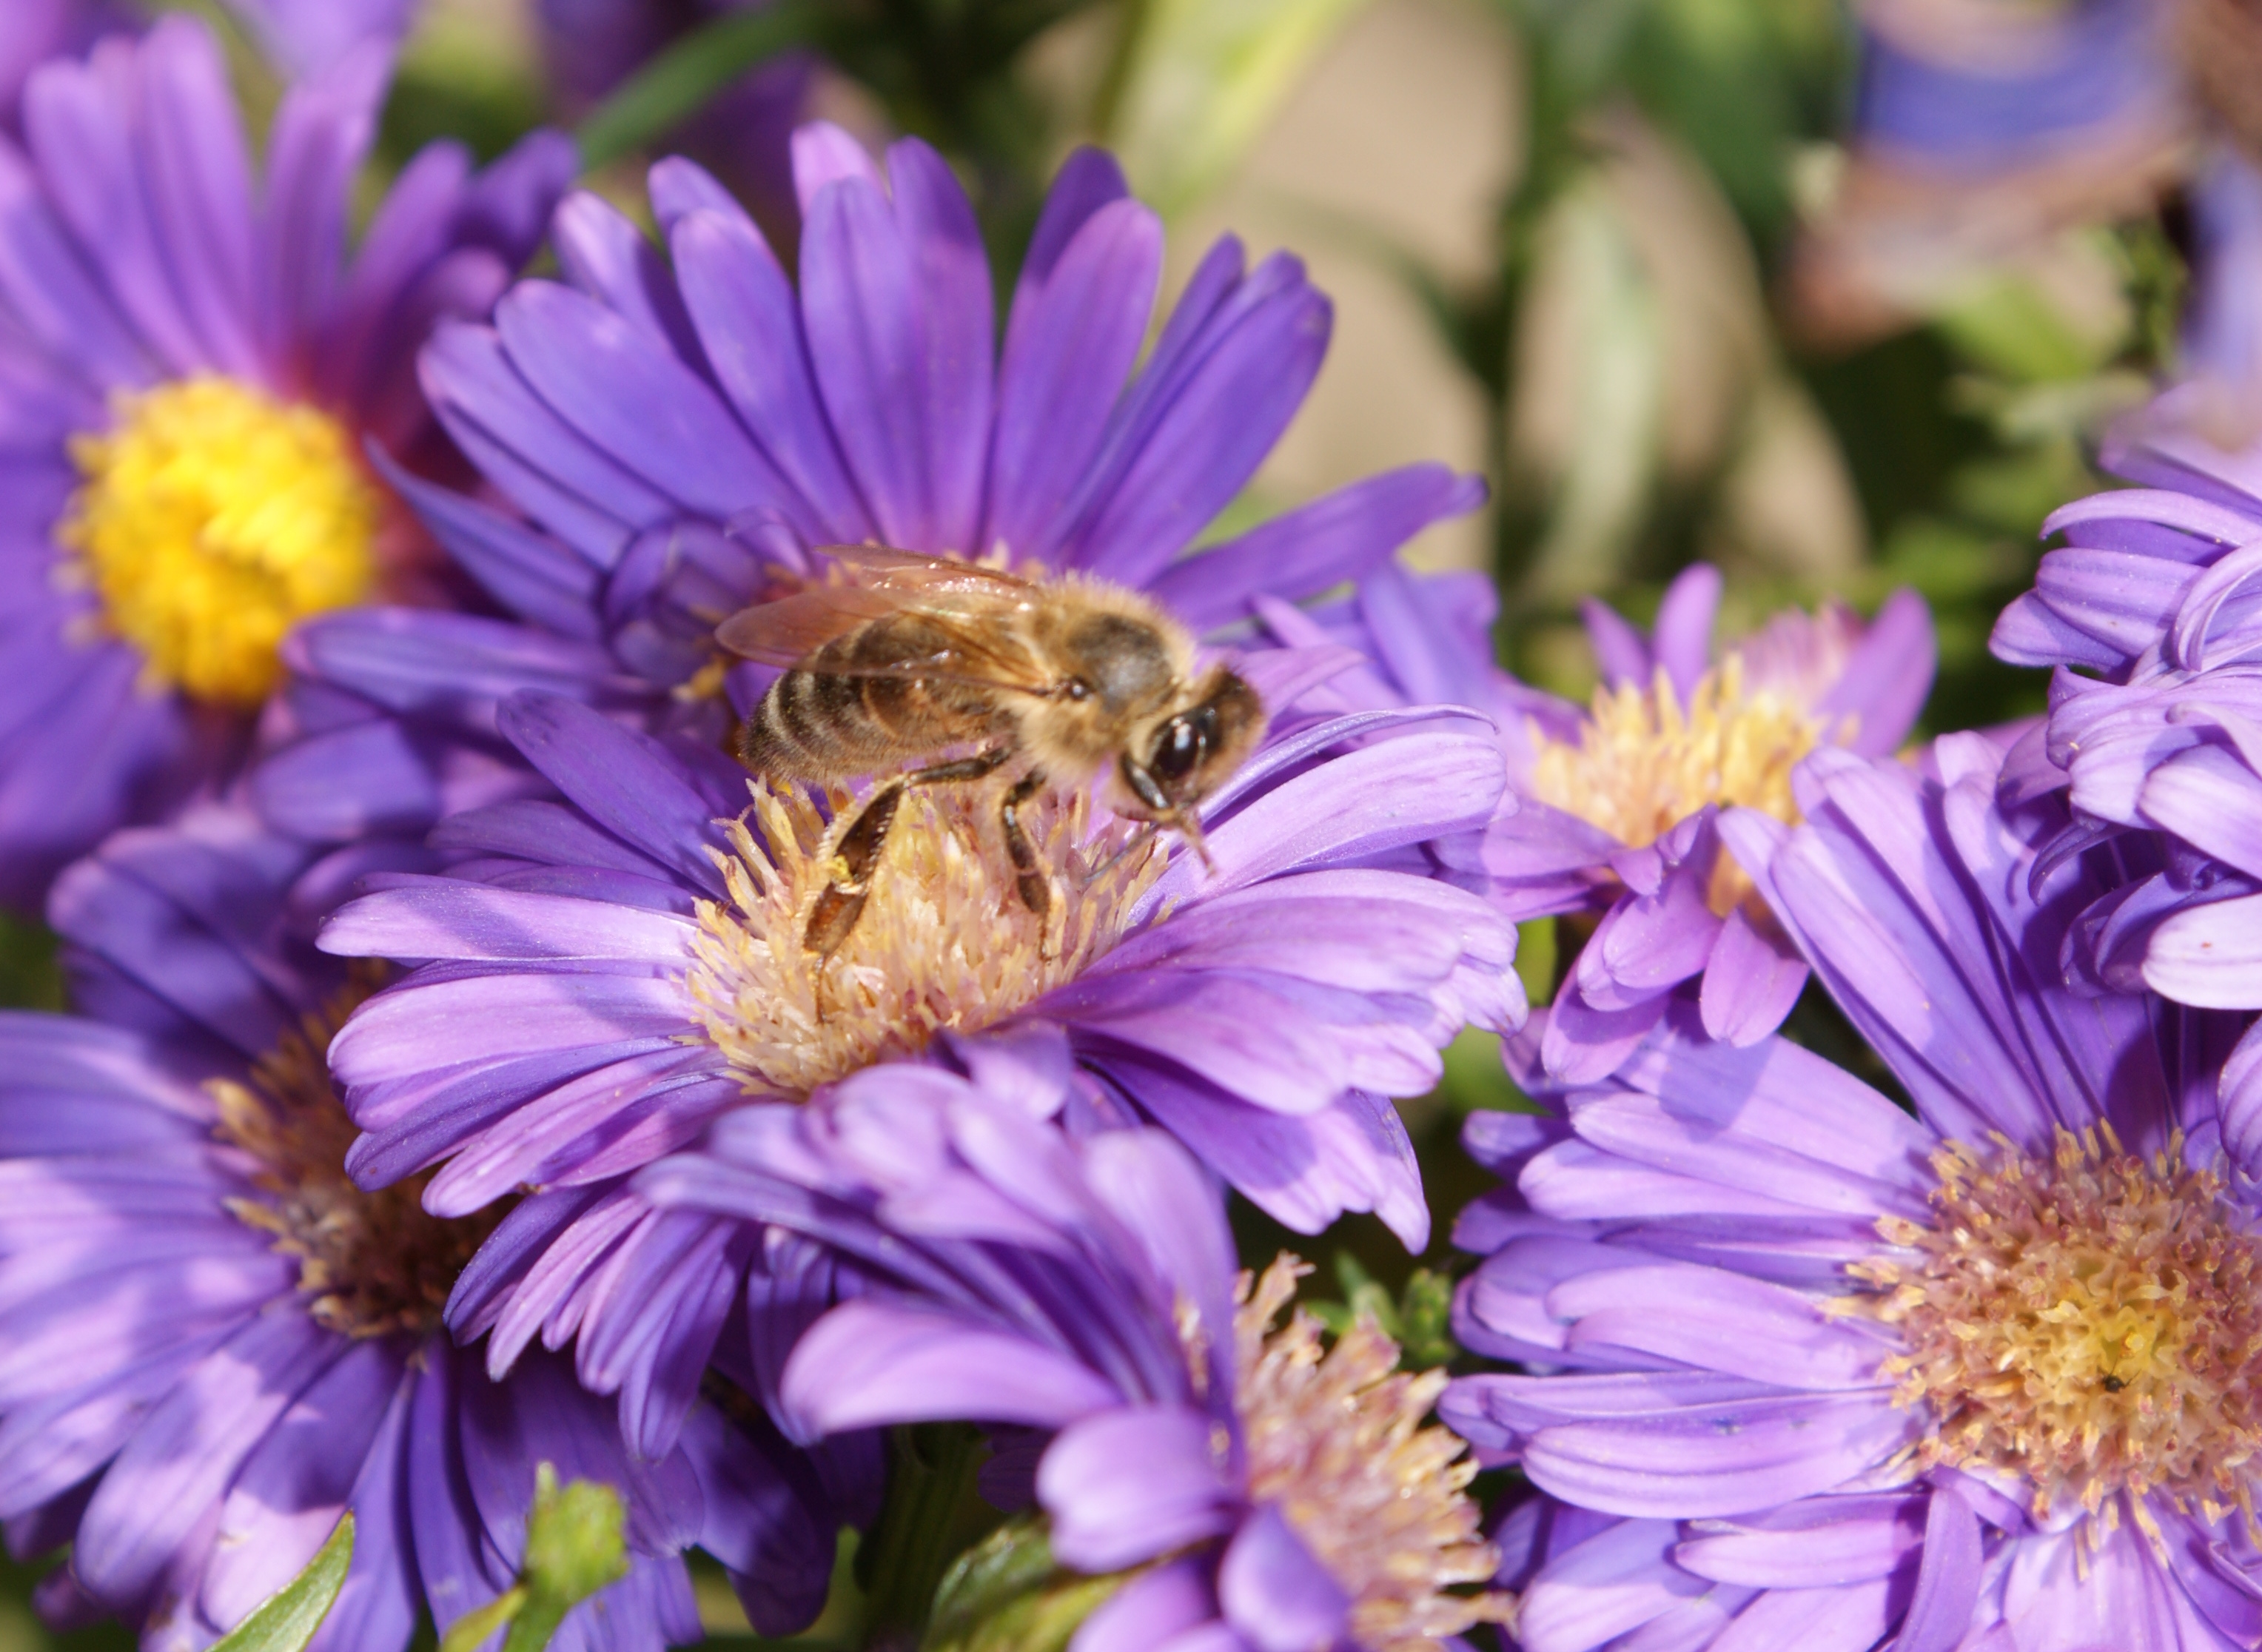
(867, 1363)
(1275, 1592)
(1127, 1485)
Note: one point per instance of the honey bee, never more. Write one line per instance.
(1061, 678)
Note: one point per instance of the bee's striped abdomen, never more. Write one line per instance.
(832, 716)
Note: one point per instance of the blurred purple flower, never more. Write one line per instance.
(215, 1343)
(1270, 1494)
(1616, 806)
(1981, 129)
(1836, 1375)
(187, 373)
(609, 974)
(681, 434)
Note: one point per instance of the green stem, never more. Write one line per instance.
(688, 75)
(932, 1514)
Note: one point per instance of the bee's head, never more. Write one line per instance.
(1191, 751)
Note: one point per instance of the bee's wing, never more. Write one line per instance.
(786, 632)
(882, 568)
(779, 633)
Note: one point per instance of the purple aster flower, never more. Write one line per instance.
(2148, 612)
(215, 1343)
(1616, 806)
(1258, 1488)
(680, 433)
(609, 974)
(188, 373)
(1808, 1370)
(1982, 129)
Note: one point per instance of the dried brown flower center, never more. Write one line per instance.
(945, 940)
(1336, 1438)
(369, 1263)
(2090, 1324)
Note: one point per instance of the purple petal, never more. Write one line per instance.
(1683, 637)
(1275, 1592)
(1750, 984)
(1718, 1321)
(860, 297)
(1127, 1485)
(749, 326)
(468, 920)
(2055, 1594)
(1719, 1459)
(320, 138)
(608, 258)
(1343, 536)
(545, 466)
(956, 317)
(822, 154)
(1075, 332)
(180, 1461)
(1207, 421)
(1851, 1619)
(1605, 1587)
(1948, 1582)
(641, 405)
(1822, 1542)
(1888, 677)
(1621, 653)
(628, 782)
(1150, 1611)
(2209, 956)
(292, 1490)
(867, 1363)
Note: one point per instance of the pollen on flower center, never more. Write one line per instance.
(945, 940)
(2090, 1323)
(370, 1264)
(1335, 1439)
(210, 519)
(1643, 763)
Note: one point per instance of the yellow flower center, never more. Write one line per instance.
(211, 519)
(370, 1264)
(945, 940)
(1643, 763)
(2089, 1324)
(1335, 1439)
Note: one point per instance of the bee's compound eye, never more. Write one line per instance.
(1185, 740)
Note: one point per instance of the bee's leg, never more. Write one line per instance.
(841, 903)
(856, 852)
(1028, 875)
(974, 767)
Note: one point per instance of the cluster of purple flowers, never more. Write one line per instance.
(443, 987)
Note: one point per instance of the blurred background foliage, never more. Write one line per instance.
(1563, 236)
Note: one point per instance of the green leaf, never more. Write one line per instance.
(287, 1620)
(574, 1549)
(1005, 1595)
(684, 78)
(2009, 326)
